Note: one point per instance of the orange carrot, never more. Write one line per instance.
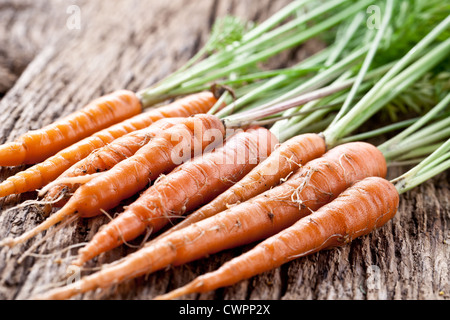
(367, 205)
(102, 160)
(185, 189)
(285, 160)
(41, 174)
(38, 145)
(317, 183)
(161, 155)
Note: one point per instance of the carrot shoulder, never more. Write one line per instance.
(285, 160)
(317, 183)
(161, 155)
(367, 205)
(41, 174)
(186, 188)
(36, 146)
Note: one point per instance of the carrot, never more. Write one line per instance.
(102, 160)
(38, 145)
(41, 174)
(186, 188)
(315, 184)
(161, 155)
(286, 159)
(367, 205)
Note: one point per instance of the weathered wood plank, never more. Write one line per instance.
(132, 44)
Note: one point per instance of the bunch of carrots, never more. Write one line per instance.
(269, 156)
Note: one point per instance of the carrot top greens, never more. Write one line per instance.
(238, 53)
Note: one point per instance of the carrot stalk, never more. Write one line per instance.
(250, 51)
(161, 155)
(368, 60)
(45, 172)
(435, 163)
(186, 188)
(38, 145)
(315, 184)
(394, 78)
(367, 205)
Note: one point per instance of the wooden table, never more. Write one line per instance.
(50, 67)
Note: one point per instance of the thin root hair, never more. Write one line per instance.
(121, 234)
(68, 181)
(52, 255)
(35, 203)
(47, 236)
(292, 161)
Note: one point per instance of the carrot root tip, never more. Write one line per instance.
(41, 205)
(182, 291)
(77, 263)
(8, 242)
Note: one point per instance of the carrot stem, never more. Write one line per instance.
(271, 22)
(361, 112)
(283, 74)
(364, 109)
(49, 222)
(418, 152)
(270, 108)
(242, 119)
(368, 61)
(254, 37)
(318, 126)
(326, 108)
(263, 38)
(429, 135)
(342, 40)
(245, 55)
(380, 131)
(434, 164)
(272, 83)
(405, 162)
(417, 125)
(280, 103)
(297, 123)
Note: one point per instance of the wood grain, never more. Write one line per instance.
(48, 70)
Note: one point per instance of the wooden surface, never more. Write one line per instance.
(48, 70)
